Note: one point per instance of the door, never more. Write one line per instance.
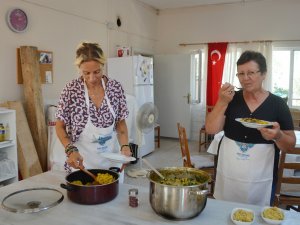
(171, 92)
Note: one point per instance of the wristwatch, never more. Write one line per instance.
(124, 146)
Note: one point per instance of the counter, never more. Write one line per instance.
(117, 211)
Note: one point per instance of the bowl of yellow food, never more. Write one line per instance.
(242, 216)
(272, 215)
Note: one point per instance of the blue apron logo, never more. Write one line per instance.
(244, 146)
(103, 140)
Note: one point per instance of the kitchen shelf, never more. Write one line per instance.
(9, 148)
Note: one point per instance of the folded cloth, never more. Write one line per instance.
(201, 161)
(213, 147)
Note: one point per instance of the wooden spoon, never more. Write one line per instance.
(89, 173)
(155, 170)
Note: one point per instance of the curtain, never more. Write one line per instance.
(234, 50)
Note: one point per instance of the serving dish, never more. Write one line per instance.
(255, 123)
(117, 157)
(272, 221)
(237, 222)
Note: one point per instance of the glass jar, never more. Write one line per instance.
(133, 197)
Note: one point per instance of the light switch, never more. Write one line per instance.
(48, 78)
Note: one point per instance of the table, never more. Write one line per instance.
(116, 211)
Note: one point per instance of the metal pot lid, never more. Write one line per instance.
(32, 200)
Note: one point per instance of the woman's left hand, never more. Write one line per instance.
(271, 133)
(126, 151)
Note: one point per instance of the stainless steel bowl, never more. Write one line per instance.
(178, 202)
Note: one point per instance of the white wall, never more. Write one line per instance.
(60, 25)
(260, 20)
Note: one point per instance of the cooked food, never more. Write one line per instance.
(179, 181)
(182, 178)
(243, 215)
(105, 178)
(273, 213)
(253, 120)
(102, 178)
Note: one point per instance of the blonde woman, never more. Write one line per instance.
(91, 113)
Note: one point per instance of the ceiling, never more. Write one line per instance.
(172, 4)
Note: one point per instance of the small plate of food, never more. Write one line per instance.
(242, 216)
(272, 215)
(254, 123)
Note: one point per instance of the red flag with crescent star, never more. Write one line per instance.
(216, 59)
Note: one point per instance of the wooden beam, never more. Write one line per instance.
(34, 105)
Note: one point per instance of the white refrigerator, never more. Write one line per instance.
(136, 76)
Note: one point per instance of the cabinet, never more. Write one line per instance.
(8, 149)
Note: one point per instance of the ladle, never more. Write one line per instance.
(88, 173)
(155, 170)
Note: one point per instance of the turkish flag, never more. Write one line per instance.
(215, 66)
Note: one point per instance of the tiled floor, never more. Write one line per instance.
(168, 155)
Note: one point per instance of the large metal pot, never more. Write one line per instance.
(178, 202)
(93, 194)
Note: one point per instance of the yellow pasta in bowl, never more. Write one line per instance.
(272, 215)
(241, 216)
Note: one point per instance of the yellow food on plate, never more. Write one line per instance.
(253, 120)
(273, 213)
(243, 215)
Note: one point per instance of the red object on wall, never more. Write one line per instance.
(216, 59)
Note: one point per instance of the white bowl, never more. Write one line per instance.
(240, 222)
(270, 221)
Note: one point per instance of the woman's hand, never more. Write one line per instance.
(273, 133)
(125, 150)
(75, 160)
(226, 93)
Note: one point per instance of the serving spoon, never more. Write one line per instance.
(155, 170)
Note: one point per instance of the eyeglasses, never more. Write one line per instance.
(249, 74)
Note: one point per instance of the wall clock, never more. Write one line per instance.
(17, 20)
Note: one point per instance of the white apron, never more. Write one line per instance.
(245, 172)
(94, 140)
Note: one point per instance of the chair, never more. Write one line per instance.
(296, 117)
(289, 198)
(203, 162)
(207, 137)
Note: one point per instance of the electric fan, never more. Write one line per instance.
(147, 117)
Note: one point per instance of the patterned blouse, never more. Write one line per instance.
(72, 109)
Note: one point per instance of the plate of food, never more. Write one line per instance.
(254, 123)
(272, 215)
(242, 216)
(117, 157)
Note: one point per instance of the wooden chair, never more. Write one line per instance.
(289, 198)
(203, 162)
(296, 117)
(207, 137)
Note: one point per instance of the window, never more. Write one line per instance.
(196, 76)
(286, 74)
